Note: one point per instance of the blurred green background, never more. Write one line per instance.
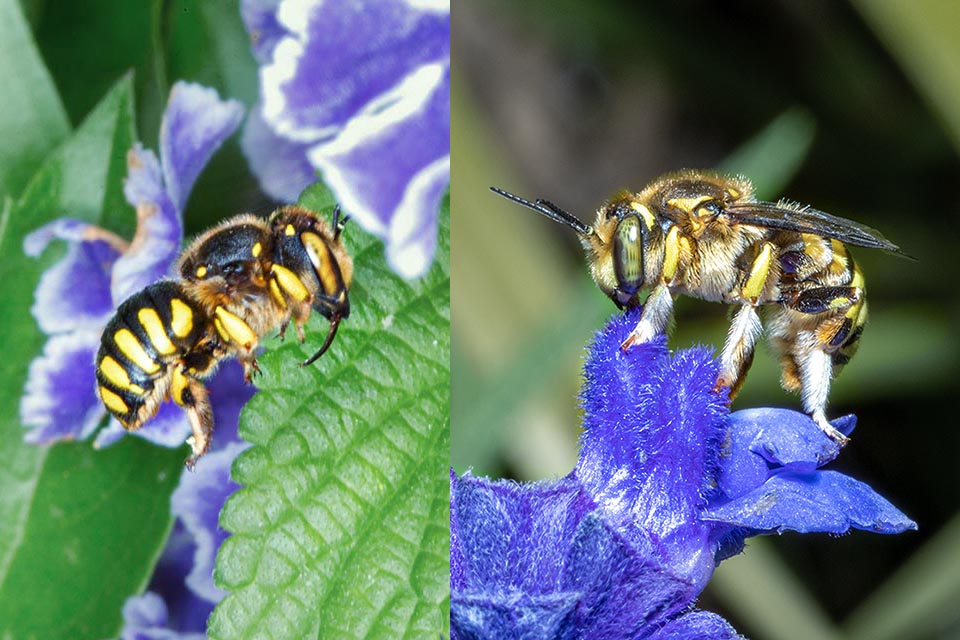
(851, 107)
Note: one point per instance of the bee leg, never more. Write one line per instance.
(654, 319)
(814, 354)
(742, 337)
(815, 367)
(737, 355)
(822, 299)
(190, 394)
(250, 368)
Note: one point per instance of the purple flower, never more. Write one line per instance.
(668, 484)
(181, 594)
(360, 92)
(77, 296)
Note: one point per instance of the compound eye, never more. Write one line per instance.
(628, 254)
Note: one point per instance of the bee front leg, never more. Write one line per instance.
(738, 350)
(654, 319)
(189, 393)
(251, 368)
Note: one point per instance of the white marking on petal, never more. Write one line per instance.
(411, 95)
(437, 6)
(295, 15)
(409, 252)
(392, 107)
(273, 79)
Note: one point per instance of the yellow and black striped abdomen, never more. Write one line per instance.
(153, 328)
(847, 339)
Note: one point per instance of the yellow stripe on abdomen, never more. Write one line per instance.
(113, 402)
(115, 373)
(130, 347)
(150, 320)
(181, 318)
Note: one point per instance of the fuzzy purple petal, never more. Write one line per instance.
(821, 501)
(196, 122)
(280, 165)
(696, 625)
(75, 292)
(536, 561)
(59, 400)
(390, 170)
(344, 58)
(197, 502)
(265, 30)
(159, 228)
(652, 434)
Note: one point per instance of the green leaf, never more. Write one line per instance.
(922, 37)
(774, 155)
(79, 530)
(32, 119)
(95, 529)
(341, 529)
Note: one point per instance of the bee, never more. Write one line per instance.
(238, 281)
(705, 235)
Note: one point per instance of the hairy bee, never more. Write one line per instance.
(239, 280)
(705, 235)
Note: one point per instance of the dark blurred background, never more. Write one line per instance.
(851, 107)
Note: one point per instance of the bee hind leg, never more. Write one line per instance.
(818, 351)
(189, 393)
(815, 367)
(653, 319)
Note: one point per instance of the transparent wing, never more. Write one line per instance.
(793, 217)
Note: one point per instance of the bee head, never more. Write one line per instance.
(312, 249)
(616, 249)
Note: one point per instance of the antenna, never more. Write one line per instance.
(550, 210)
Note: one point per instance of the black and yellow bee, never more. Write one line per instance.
(239, 280)
(705, 235)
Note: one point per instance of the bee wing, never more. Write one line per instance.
(792, 217)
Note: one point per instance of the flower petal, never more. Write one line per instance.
(197, 502)
(822, 501)
(261, 22)
(537, 561)
(344, 58)
(145, 617)
(280, 165)
(701, 625)
(59, 400)
(159, 228)
(390, 170)
(195, 123)
(652, 433)
(75, 292)
(788, 438)
(169, 428)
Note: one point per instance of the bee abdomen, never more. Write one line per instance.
(150, 330)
